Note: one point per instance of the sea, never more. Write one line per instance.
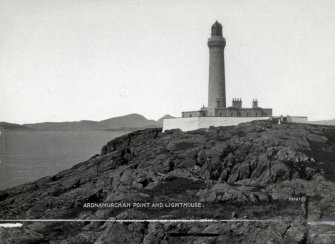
(26, 156)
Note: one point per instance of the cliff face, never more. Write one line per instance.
(248, 171)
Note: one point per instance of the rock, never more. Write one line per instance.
(179, 173)
(296, 234)
(121, 233)
(321, 234)
(279, 172)
(156, 233)
(317, 138)
(247, 170)
(20, 236)
(132, 214)
(234, 215)
(178, 145)
(213, 229)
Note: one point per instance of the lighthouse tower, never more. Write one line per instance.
(217, 113)
(216, 82)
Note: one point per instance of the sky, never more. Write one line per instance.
(69, 60)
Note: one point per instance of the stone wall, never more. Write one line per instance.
(199, 113)
(194, 123)
(229, 112)
(297, 119)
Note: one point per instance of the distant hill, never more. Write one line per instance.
(76, 125)
(150, 124)
(128, 121)
(125, 123)
(160, 121)
(323, 122)
(12, 126)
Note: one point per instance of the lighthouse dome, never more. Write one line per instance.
(216, 29)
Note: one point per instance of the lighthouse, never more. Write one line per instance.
(216, 79)
(217, 113)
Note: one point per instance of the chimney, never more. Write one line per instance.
(254, 103)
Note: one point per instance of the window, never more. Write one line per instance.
(247, 114)
(231, 114)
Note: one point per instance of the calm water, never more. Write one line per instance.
(29, 155)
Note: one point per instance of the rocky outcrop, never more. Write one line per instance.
(251, 171)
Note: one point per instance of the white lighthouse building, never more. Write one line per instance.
(217, 113)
